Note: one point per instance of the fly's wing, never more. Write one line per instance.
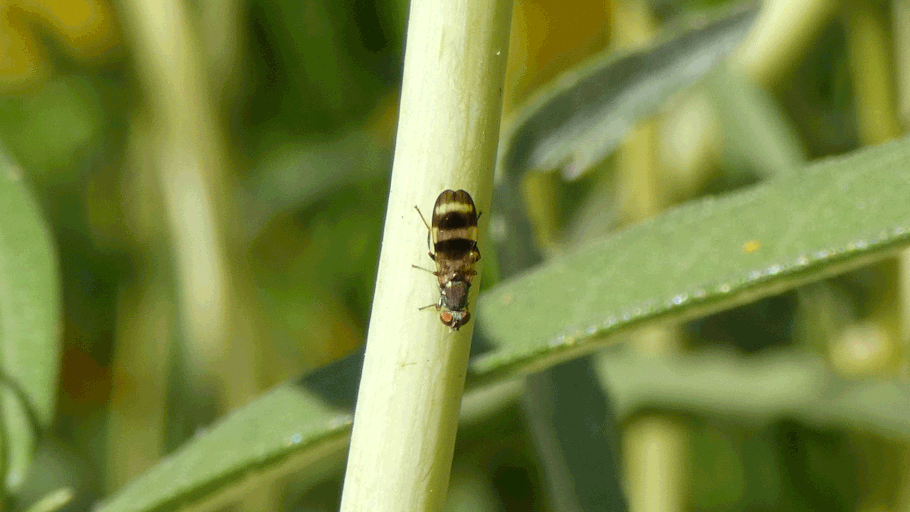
(439, 213)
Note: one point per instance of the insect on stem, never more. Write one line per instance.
(452, 240)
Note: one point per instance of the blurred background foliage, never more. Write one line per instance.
(215, 176)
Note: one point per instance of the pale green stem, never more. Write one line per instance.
(654, 446)
(191, 163)
(192, 166)
(413, 376)
(876, 347)
(900, 27)
(871, 73)
(781, 37)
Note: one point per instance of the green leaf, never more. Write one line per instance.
(284, 430)
(29, 323)
(758, 390)
(706, 256)
(581, 117)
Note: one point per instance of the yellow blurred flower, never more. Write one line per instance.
(86, 30)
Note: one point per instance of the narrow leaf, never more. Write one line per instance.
(705, 256)
(29, 323)
(759, 389)
(284, 430)
(581, 117)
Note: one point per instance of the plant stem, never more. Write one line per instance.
(413, 376)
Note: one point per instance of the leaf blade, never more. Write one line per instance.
(582, 116)
(29, 322)
(284, 429)
(705, 256)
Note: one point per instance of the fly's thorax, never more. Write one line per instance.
(453, 295)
